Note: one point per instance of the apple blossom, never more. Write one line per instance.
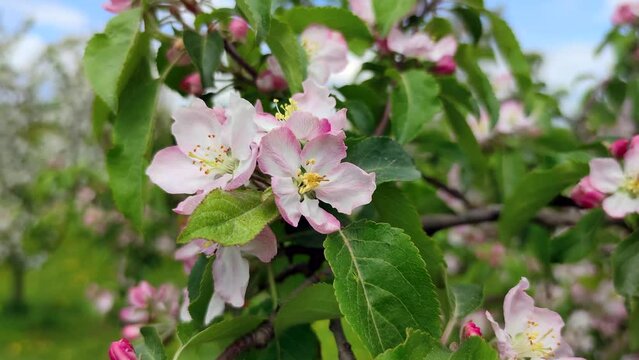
(121, 350)
(238, 27)
(117, 6)
(363, 9)
(470, 329)
(326, 50)
(271, 79)
(621, 186)
(585, 195)
(192, 84)
(480, 127)
(101, 299)
(177, 54)
(530, 332)
(421, 46)
(302, 177)
(626, 12)
(512, 118)
(148, 305)
(215, 149)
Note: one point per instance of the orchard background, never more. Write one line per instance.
(271, 179)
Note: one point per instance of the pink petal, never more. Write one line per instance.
(244, 170)
(266, 122)
(363, 9)
(194, 124)
(321, 220)
(620, 204)
(139, 295)
(214, 309)
(185, 316)
(131, 332)
(347, 188)
(188, 205)
(117, 6)
(323, 153)
(445, 47)
(327, 52)
(338, 122)
(243, 129)
(305, 126)
(280, 153)
(503, 340)
(631, 162)
(132, 314)
(287, 199)
(175, 173)
(549, 322)
(264, 246)
(518, 306)
(231, 275)
(316, 100)
(605, 174)
(417, 45)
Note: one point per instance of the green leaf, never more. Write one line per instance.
(511, 51)
(385, 158)
(230, 217)
(299, 342)
(314, 303)
(342, 20)
(475, 348)
(625, 264)
(110, 56)
(258, 14)
(509, 169)
(467, 60)
(200, 289)
(288, 52)
(394, 208)
(100, 116)
(465, 138)
(465, 298)
(535, 191)
(205, 52)
(413, 104)
(223, 331)
(457, 93)
(472, 21)
(388, 13)
(381, 284)
(580, 241)
(419, 345)
(153, 348)
(132, 132)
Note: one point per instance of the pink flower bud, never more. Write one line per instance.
(585, 195)
(619, 148)
(192, 84)
(131, 332)
(117, 6)
(268, 82)
(445, 66)
(238, 28)
(121, 350)
(177, 53)
(624, 14)
(471, 329)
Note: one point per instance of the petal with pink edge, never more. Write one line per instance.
(194, 124)
(231, 275)
(244, 170)
(139, 295)
(280, 153)
(315, 99)
(605, 174)
(503, 340)
(323, 154)
(175, 173)
(305, 126)
(620, 204)
(338, 122)
(631, 162)
(287, 199)
(188, 205)
(243, 129)
(321, 220)
(347, 188)
(518, 306)
(214, 309)
(264, 246)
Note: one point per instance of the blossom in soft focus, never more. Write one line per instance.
(530, 332)
(480, 127)
(626, 13)
(420, 45)
(445, 66)
(101, 299)
(215, 149)
(327, 52)
(238, 27)
(585, 195)
(470, 329)
(619, 148)
(363, 9)
(512, 118)
(121, 350)
(271, 79)
(148, 305)
(504, 85)
(231, 268)
(187, 255)
(621, 185)
(302, 177)
(307, 114)
(177, 54)
(192, 84)
(117, 6)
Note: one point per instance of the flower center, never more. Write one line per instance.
(216, 159)
(309, 181)
(288, 109)
(631, 185)
(310, 47)
(530, 344)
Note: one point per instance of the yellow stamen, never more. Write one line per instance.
(309, 181)
(288, 109)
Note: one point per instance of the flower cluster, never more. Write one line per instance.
(148, 305)
(626, 13)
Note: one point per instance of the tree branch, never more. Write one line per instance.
(383, 123)
(258, 338)
(450, 191)
(230, 49)
(343, 346)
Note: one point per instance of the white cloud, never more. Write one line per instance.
(25, 52)
(47, 13)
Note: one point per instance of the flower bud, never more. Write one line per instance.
(471, 329)
(117, 6)
(445, 66)
(619, 148)
(585, 195)
(268, 82)
(192, 84)
(121, 350)
(177, 53)
(625, 14)
(238, 28)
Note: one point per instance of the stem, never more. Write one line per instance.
(383, 123)
(343, 346)
(272, 286)
(230, 49)
(451, 191)
(448, 330)
(17, 297)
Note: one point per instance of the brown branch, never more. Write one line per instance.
(192, 6)
(258, 338)
(230, 49)
(451, 191)
(343, 346)
(383, 123)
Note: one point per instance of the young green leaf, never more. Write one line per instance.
(467, 60)
(625, 264)
(413, 104)
(475, 348)
(288, 52)
(576, 243)
(200, 289)
(111, 56)
(132, 132)
(465, 138)
(230, 217)
(384, 157)
(258, 14)
(510, 49)
(381, 284)
(153, 348)
(205, 52)
(224, 330)
(419, 345)
(316, 302)
(465, 298)
(388, 13)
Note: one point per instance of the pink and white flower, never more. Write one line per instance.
(363, 9)
(302, 177)
(192, 84)
(530, 332)
(307, 114)
(271, 79)
(420, 45)
(480, 127)
(621, 185)
(512, 118)
(626, 12)
(117, 6)
(585, 195)
(148, 305)
(327, 52)
(215, 149)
